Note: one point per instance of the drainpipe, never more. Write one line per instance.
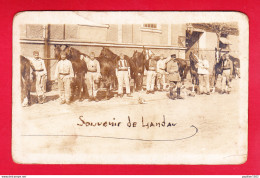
(46, 52)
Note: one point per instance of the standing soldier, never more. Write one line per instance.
(150, 65)
(226, 75)
(64, 74)
(161, 71)
(123, 76)
(93, 75)
(39, 69)
(174, 77)
(203, 71)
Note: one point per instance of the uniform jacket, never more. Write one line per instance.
(64, 67)
(92, 65)
(227, 64)
(203, 67)
(122, 64)
(173, 70)
(151, 64)
(38, 65)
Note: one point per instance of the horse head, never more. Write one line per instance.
(193, 58)
(57, 51)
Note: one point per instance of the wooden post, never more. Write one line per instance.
(47, 53)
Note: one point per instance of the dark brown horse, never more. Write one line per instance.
(25, 69)
(79, 67)
(107, 60)
(236, 66)
(194, 71)
(137, 69)
(184, 67)
(217, 68)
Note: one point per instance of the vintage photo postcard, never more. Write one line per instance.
(130, 87)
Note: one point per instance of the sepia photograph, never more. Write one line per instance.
(119, 87)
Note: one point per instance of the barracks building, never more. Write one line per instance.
(87, 36)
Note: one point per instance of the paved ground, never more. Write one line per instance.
(216, 140)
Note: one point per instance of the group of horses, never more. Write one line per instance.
(108, 61)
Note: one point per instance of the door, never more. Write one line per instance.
(192, 43)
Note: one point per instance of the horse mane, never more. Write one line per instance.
(193, 58)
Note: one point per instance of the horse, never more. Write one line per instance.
(194, 71)
(236, 66)
(217, 68)
(183, 68)
(25, 71)
(107, 60)
(137, 62)
(79, 67)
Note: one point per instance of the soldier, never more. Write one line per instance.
(161, 72)
(64, 74)
(150, 65)
(92, 76)
(39, 69)
(123, 76)
(203, 66)
(174, 77)
(226, 75)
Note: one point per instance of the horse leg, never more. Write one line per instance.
(108, 90)
(193, 84)
(215, 82)
(81, 87)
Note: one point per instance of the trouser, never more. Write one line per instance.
(150, 80)
(225, 83)
(40, 82)
(91, 84)
(122, 78)
(161, 81)
(204, 82)
(173, 85)
(64, 87)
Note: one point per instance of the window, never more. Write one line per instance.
(150, 25)
(182, 41)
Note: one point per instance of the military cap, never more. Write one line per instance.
(173, 56)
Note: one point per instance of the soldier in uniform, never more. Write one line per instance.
(92, 76)
(64, 74)
(161, 72)
(123, 75)
(174, 77)
(150, 65)
(227, 66)
(40, 72)
(203, 66)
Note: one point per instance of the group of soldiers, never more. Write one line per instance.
(156, 70)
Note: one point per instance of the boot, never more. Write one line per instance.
(91, 98)
(129, 95)
(171, 95)
(179, 93)
(62, 102)
(40, 100)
